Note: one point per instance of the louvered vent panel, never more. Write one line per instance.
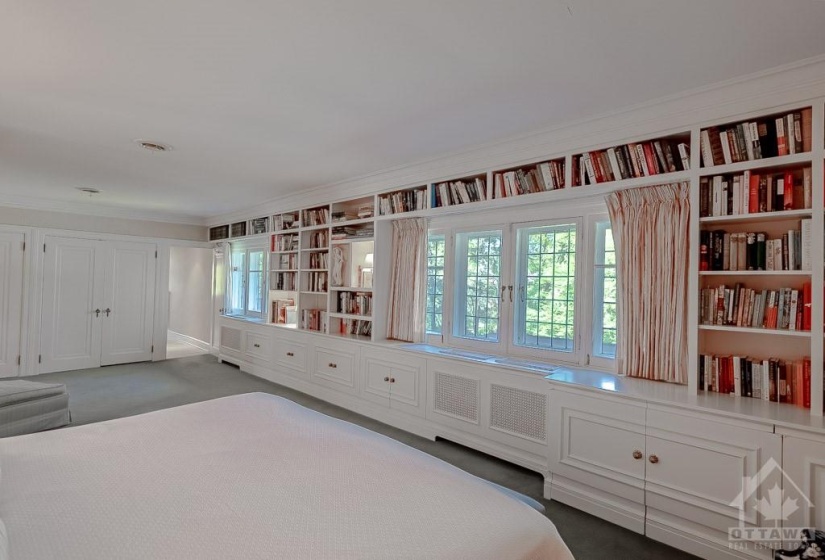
(456, 396)
(519, 412)
(231, 338)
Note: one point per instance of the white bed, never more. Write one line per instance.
(251, 476)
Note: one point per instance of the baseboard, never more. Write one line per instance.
(601, 505)
(185, 339)
(698, 546)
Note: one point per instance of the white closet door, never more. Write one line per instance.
(129, 303)
(11, 301)
(70, 327)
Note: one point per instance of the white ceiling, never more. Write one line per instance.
(261, 98)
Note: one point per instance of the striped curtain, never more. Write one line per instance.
(408, 284)
(650, 230)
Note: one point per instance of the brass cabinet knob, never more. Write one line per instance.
(256, 345)
(392, 379)
(290, 354)
(333, 365)
(637, 454)
(653, 459)
(386, 379)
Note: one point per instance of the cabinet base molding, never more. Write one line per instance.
(613, 509)
(684, 539)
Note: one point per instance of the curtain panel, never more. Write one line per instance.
(405, 319)
(650, 231)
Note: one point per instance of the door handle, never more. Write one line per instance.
(502, 293)
(521, 293)
(511, 292)
(107, 311)
(97, 312)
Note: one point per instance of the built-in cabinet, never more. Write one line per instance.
(98, 303)
(11, 301)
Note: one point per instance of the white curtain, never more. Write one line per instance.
(650, 230)
(408, 284)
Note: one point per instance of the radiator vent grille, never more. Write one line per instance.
(519, 412)
(456, 396)
(231, 338)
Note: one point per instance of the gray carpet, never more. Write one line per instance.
(116, 391)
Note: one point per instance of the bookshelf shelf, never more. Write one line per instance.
(800, 273)
(758, 217)
(749, 330)
(349, 289)
(765, 164)
(351, 316)
(309, 292)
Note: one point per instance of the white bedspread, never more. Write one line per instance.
(251, 477)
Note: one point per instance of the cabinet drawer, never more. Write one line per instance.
(258, 346)
(335, 368)
(291, 355)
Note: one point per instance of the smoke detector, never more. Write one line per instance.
(152, 146)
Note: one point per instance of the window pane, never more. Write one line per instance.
(478, 285)
(435, 283)
(546, 279)
(604, 305)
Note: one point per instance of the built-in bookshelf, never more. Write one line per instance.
(757, 203)
(634, 160)
(756, 227)
(402, 201)
(529, 179)
(258, 226)
(218, 233)
(460, 191)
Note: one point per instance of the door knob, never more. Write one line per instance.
(97, 312)
(637, 454)
(107, 311)
(653, 459)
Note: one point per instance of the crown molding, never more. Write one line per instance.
(104, 211)
(788, 84)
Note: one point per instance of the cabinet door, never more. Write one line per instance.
(394, 379)
(11, 301)
(696, 465)
(803, 461)
(129, 300)
(72, 293)
(596, 456)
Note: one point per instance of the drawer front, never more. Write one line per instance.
(334, 368)
(291, 355)
(258, 346)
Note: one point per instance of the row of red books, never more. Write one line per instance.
(770, 379)
(631, 161)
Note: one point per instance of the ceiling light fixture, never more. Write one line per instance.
(153, 146)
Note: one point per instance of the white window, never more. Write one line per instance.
(545, 310)
(604, 297)
(436, 255)
(540, 290)
(478, 287)
(247, 281)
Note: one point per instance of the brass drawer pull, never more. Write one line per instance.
(290, 354)
(256, 345)
(333, 365)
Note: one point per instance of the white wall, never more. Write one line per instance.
(99, 224)
(190, 292)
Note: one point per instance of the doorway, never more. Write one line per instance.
(190, 302)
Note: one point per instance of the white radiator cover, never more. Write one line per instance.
(519, 412)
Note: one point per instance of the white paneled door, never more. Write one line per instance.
(129, 296)
(98, 303)
(11, 302)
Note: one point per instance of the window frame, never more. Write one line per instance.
(576, 357)
(246, 249)
(434, 337)
(585, 214)
(595, 224)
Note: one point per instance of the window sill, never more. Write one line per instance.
(533, 366)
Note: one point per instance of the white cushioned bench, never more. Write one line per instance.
(27, 407)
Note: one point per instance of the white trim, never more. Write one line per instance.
(190, 340)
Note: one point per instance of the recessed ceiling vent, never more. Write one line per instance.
(88, 190)
(153, 146)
